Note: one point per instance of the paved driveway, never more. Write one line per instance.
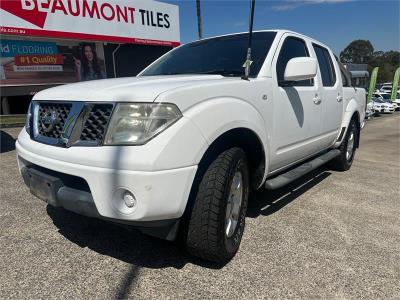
(330, 235)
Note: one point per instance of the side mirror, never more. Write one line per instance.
(300, 68)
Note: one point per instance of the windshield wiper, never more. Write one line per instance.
(222, 72)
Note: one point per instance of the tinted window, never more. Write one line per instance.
(344, 79)
(292, 47)
(325, 66)
(222, 55)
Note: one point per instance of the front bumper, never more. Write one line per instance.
(388, 109)
(377, 110)
(160, 195)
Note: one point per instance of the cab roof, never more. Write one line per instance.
(279, 32)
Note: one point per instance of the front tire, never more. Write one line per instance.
(217, 220)
(347, 149)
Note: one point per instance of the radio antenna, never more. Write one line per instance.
(248, 61)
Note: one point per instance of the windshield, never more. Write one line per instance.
(222, 55)
(385, 96)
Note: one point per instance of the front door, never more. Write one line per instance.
(297, 109)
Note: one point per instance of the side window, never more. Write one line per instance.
(292, 47)
(345, 80)
(325, 66)
(346, 77)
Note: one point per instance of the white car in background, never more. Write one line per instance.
(369, 112)
(386, 88)
(381, 106)
(386, 98)
(397, 100)
(377, 106)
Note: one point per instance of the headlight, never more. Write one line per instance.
(137, 123)
(28, 118)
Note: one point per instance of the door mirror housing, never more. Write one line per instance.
(300, 68)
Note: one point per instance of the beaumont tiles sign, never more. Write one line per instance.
(120, 21)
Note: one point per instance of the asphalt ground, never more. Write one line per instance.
(329, 235)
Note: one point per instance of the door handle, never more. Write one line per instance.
(339, 98)
(317, 99)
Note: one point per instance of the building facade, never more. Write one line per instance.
(44, 43)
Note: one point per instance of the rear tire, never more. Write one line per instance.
(347, 149)
(221, 200)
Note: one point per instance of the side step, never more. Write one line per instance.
(293, 174)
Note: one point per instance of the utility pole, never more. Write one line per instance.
(199, 25)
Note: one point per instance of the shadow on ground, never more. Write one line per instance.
(265, 202)
(140, 250)
(133, 247)
(128, 245)
(7, 142)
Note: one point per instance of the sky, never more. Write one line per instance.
(333, 22)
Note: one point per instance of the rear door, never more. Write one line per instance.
(296, 108)
(331, 92)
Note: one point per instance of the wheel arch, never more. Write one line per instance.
(351, 113)
(242, 126)
(356, 117)
(245, 139)
(242, 137)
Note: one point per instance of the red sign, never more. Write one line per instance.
(31, 60)
(14, 7)
(121, 21)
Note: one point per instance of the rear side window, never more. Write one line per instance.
(325, 66)
(346, 77)
(345, 80)
(292, 47)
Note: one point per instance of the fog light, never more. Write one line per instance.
(129, 199)
(125, 201)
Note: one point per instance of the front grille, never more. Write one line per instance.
(96, 123)
(58, 111)
(65, 124)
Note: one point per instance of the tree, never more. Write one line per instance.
(358, 52)
(362, 51)
(387, 62)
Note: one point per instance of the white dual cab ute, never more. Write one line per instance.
(176, 150)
